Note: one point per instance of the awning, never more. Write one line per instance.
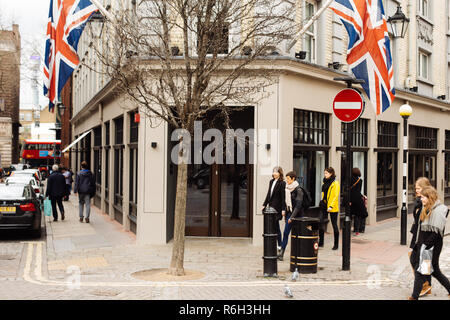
(76, 140)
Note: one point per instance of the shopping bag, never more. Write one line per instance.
(425, 266)
(47, 207)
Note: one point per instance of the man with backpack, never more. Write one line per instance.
(297, 201)
(85, 187)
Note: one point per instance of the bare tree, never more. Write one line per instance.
(179, 60)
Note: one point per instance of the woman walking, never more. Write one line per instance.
(357, 208)
(294, 201)
(432, 220)
(276, 199)
(329, 204)
(421, 183)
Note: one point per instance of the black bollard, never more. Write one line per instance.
(270, 243)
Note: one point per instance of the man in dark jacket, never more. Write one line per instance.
(56, 190)
(85, 187)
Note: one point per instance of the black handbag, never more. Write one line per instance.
(323, 205)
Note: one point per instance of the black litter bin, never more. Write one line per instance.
(304, 244)
(270, 243)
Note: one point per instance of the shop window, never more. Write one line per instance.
(134, 137)
(311, 139)
(447, 167)
(118, 167)
(422, 137)
(387, 134)
(311, 127)
(107, 133)
(387, 153)
(360, 129)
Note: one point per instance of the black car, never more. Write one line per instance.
(20, 208)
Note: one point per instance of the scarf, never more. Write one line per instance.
(289, 188)
(436, 220)
(326, 185)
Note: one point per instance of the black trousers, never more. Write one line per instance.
(359, 224)
(54, 201)
(323, 226)
(419, 279)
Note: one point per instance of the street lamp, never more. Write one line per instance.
(61, 109)
(405, 112)
(399, 23)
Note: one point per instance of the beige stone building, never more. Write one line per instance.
(136, 178)
(9, 95)
(36, 124)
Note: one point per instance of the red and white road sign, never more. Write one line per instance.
(348, 105)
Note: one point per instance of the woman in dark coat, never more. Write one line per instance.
(276, 199)
(421, 183)
(357, 208)
(432, 221)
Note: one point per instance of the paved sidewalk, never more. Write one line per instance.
(98, 260)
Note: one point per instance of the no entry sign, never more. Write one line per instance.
(348, 105)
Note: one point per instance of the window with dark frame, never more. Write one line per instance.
(218, 44)
(387, 134)
(118, 163)
(422, 137)
(107, 147)
(387, 165)
(97, 163)
(360, 131)
(134, 137)
(360, 138)
(311, 127)
(447, 140)
(447, 165)
(311, 139)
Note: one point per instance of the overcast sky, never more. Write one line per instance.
(31, 16)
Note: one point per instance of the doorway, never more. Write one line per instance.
(219, 196)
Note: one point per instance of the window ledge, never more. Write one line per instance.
(426, 81)
(425, 19)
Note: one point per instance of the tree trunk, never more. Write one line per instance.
(176, 264)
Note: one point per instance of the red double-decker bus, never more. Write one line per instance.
(41, 153)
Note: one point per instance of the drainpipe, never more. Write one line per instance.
(408, 80)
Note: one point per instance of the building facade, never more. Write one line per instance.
(9, 95)
(136, 178)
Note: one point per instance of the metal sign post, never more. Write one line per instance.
(348, 106)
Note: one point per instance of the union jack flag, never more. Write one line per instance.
(66, 21)
(369, 51)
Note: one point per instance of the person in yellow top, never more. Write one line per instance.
(329, 204)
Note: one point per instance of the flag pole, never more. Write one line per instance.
(306, 26)
(103, 10)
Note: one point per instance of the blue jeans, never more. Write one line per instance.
(283, 240)
(84, 199)
(287, 231)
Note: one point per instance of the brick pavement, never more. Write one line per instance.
(97, 261)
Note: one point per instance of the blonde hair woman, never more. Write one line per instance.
(432, 220)
(420, 184)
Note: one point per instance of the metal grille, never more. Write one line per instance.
(359, 133)
(422, 137)
(387, 134)
(310, 127)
